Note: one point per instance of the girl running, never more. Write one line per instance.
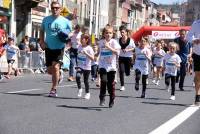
(84, 58)
(126, 54)
(143, 56)
(109, 50)
(158, 54)
(171, 63)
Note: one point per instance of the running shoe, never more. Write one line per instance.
(53, 93)
(154, 81)
(16, 72)
(122, 88)
(1, 77)
(80, 92)
(157, 82)
(172, 97)
(167, 88)
(111, 103)
(87, 96)
(102, 102)
(136, 86)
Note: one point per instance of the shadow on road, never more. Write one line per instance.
(170, 104)
(83, 108)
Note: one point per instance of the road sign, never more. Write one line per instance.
(65, 12)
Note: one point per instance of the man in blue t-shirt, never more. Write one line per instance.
(53, 45)
(184, 51)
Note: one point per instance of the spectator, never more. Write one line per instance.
(194, 37)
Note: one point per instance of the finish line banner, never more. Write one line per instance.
(165, 34)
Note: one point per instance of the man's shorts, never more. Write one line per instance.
(196, 62)
(55, 55)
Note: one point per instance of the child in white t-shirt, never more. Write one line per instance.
(84, 58)
(143, 56)
(11, 52)
(158, 54)
(108, 52)
(171, 64)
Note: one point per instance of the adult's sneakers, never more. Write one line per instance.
(1, 77)
(197, 100)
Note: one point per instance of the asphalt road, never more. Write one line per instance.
(25, 108)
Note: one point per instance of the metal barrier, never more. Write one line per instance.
(31, 61)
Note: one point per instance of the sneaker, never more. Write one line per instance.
(1, 77)
(93, 79)
(53, 93)
(181, 89)
(157, 82)
(16, 73)
(147, 82)
(143, 95)
(111, 103)
(80, 92)
(167, 88)
(154, 81)
(87, 96)
(102, 102)
(193, 84)
(136, 86)
(122, 88)
(197, 100)
(172, 97)
(61, 76)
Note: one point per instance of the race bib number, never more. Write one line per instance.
(170, 68)
(106, 56)
(81, 59)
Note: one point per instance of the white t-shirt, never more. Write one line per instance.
(130, 53)
(141, 61)
(108, 59)
(83, 61)
(11, 52)
(170, 60)
(193, 34)
(74, 39)
(158, 57)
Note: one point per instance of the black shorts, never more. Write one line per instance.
(10, 61)
(54, 55)
(196, 62)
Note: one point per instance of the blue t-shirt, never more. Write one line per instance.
(51, 25)
(184, 49)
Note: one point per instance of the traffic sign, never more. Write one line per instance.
(65, 12)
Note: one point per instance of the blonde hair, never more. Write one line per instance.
(173, 44)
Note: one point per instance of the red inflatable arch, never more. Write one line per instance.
(147, 30)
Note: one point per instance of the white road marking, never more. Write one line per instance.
(20, 91)
(170, 125)
(36, 89)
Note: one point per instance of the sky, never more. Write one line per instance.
(167, 1)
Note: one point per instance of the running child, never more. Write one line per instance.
(171, 64)
(108, 50)
(11, 51)
(84, 58)
(158, 54)
(143, 56)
